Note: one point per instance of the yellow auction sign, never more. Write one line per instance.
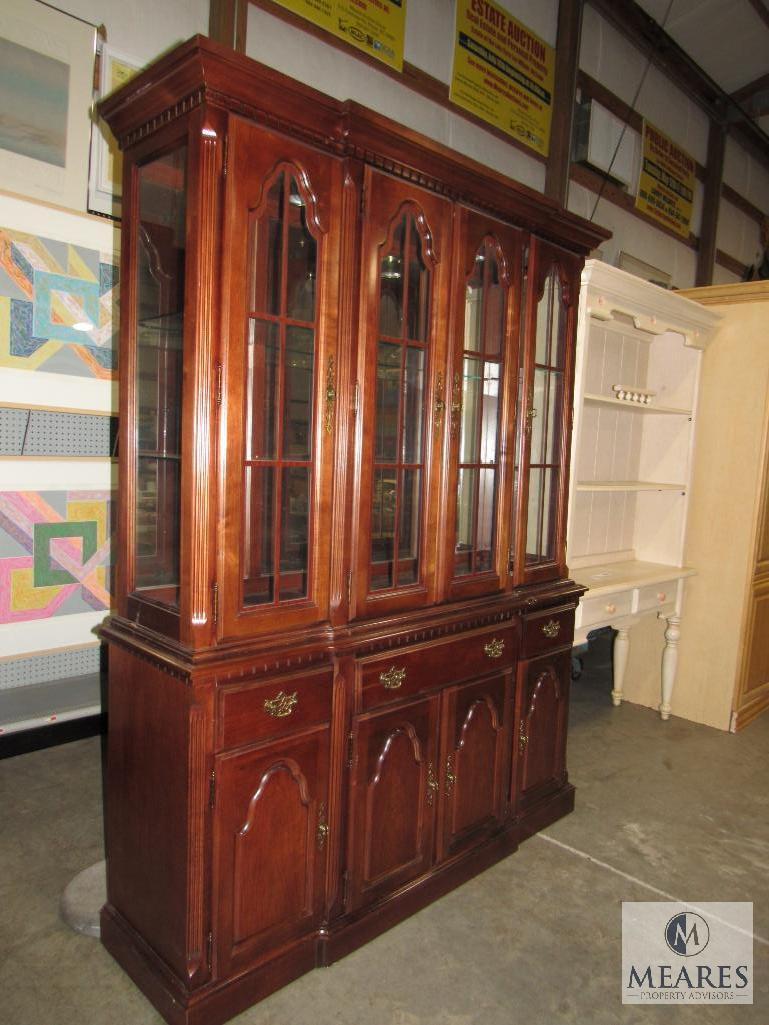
(503, 73)
(666, 182)
(377, 27)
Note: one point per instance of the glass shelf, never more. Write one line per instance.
(627, 485)
(634, 407)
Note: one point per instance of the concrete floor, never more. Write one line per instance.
(663, 809)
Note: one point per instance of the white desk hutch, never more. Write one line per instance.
(635, 400)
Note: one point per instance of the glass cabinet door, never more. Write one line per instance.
(279, 380)
(157, 443)
(487, 293)
(405, 251)
(545, 421)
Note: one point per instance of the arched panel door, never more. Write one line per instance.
(481, 394)
(540, 739)
(403, 322)
(271, 839)
(475, 761)
(394, 799)
(544, 421)
(281, 256)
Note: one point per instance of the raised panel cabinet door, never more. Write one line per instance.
(401, 374)
(544, 421)
(539, 740)
(483, 365)
(270, 844)
(474, 761)
(281, 259)
(394, 798)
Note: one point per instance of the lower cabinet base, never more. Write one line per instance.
(216, 1002)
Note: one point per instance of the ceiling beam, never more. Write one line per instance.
(745, 92)
(648, 37)
(564, 91)
(711, 204)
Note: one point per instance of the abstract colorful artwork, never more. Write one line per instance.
(58, 307)
(54, 553)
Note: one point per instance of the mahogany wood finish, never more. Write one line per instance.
(317, 728)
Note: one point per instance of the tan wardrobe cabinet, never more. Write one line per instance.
(723, 670)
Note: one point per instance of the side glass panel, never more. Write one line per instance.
(399, 424)
(159, 338)
(545, 423)
(280, 387)
(482, 372)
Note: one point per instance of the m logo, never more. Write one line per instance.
(687, 934)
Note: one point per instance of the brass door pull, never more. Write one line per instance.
(330, 394)
(281, 706)
(433, 786)
(523, 738)
(450, 777)
(440, 402)
(494, 648)
(323, 828)
(552, 628)
(393, 678)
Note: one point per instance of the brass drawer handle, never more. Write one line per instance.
(281, 706)
(494, 648)
(523, 738)
(552, 628)
(323, 828)
(432, 785)
(450, 777)
(393, 678)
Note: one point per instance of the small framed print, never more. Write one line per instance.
(46, 83)
(105, 183)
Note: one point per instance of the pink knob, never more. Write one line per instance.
(662, 596)
(611, 608)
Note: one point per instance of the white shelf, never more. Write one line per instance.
(634, 407)
(627, 485)
(609, 577)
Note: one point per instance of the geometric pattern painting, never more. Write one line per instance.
(54, 553)
(58, 307)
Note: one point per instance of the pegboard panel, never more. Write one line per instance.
(38, 432)
(21, 672)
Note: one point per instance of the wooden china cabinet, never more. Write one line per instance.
(339, 664)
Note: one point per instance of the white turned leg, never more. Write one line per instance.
(620, 654)
(669, 662)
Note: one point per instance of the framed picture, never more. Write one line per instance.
(46, 77)
(105, 182)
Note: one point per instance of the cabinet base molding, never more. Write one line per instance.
(217, 1002)
(742, 717)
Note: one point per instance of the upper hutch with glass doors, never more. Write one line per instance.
(340, 650)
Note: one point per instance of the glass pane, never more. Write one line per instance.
(391, 286)
(487, 500)
(474, 308)
(258, 538)
(266, 265)
(463, 561)
(538, 419)
(159, 336)
(294, 532)
(419, 288)
(261, 389)
(297, 402)
(554, 406)
(547, 541)
(544, 317)
(471, 398)
(388, 389)
(413, 393)
(558, 344)
(532, 521)
(495, 306)
(408, 534)
(490, 415)
(383, 529)
(302, 260)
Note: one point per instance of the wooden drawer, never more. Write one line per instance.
(603, 609)
(412, 670)
(658, 596)
(252, 711)
(546, 631)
